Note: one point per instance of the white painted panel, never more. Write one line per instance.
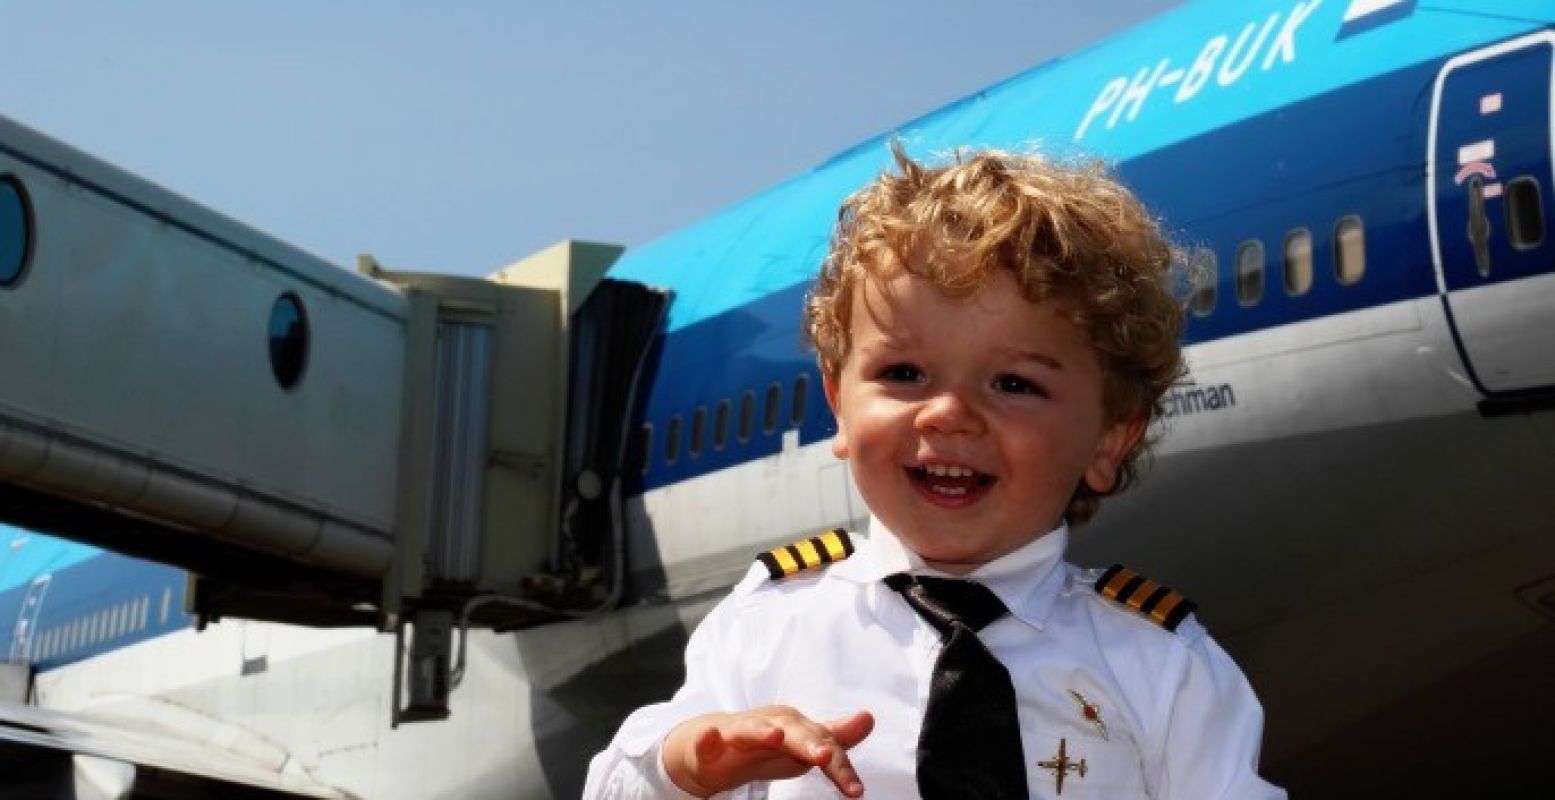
(1506, 332)
(1477, 151)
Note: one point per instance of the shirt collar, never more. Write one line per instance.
(1027, 580)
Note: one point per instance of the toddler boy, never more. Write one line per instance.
(995, 335)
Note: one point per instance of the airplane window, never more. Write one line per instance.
(801, 387)
(1298, 262)
(1249, 272)
(645, 447)
(672, 440)
(288, 339)
(1524, 213)
(698, 426)
(1349, 250)
(1203, 274)
(747, 415)
(721, 425)
(15, 231)
(769, 415)
(167, 596)
(145, 606)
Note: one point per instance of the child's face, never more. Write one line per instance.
(1002, 396)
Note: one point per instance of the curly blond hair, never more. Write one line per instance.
(1070, 234)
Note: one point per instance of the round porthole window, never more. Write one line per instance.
(288, 340)
(15, 232)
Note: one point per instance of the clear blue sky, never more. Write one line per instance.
(464, 137)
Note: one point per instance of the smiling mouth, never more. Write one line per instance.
(950, 485)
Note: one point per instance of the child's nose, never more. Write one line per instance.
(950, 412)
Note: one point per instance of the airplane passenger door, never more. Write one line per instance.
(1490, 197)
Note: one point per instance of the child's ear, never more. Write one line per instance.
(1116, 443)
(839, 443)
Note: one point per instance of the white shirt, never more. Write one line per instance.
(1181, 722)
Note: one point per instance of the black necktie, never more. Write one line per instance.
(970, 745)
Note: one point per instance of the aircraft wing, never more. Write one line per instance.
(49, 753)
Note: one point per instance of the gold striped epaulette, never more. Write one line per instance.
(810, 553)
(1162, 605)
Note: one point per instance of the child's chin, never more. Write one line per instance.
(955, 560)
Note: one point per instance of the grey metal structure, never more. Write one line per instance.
(317, 446)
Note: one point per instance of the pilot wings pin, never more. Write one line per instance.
(1091, 712)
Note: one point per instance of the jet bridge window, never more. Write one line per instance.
(1298, 262)
(1249, 272)
(15, 231)
(1349, 249)
(288, 339)
(1524, 213)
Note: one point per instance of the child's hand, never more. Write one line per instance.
(716, 752)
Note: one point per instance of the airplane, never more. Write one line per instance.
(1353, 484)
(1061, 765)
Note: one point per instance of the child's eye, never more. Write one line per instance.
(1015, 384)
(901, 373)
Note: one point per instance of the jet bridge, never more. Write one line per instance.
(317, 446)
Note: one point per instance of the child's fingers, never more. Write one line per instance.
(851, 730)
(709, 744)
(840, 770)
(846, 732)
(823, 745)
(753, 733)
(779, 742)
(782, 730)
